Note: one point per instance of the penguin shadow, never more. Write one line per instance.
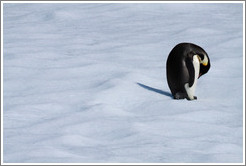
(155, 90)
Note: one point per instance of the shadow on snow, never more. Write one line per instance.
(155, 90)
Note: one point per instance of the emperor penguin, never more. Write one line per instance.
(185, 64)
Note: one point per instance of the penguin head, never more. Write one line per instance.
(204, 64)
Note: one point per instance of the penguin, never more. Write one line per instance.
(186, 63)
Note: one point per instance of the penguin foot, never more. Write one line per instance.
(179, 96)
(194, 98)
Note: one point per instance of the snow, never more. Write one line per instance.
(86, 83)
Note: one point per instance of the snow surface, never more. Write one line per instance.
(87, 83)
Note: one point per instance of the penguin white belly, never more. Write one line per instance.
(191, 90)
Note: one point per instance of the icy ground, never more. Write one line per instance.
(87, 83)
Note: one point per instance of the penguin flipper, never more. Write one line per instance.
(191, 70)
